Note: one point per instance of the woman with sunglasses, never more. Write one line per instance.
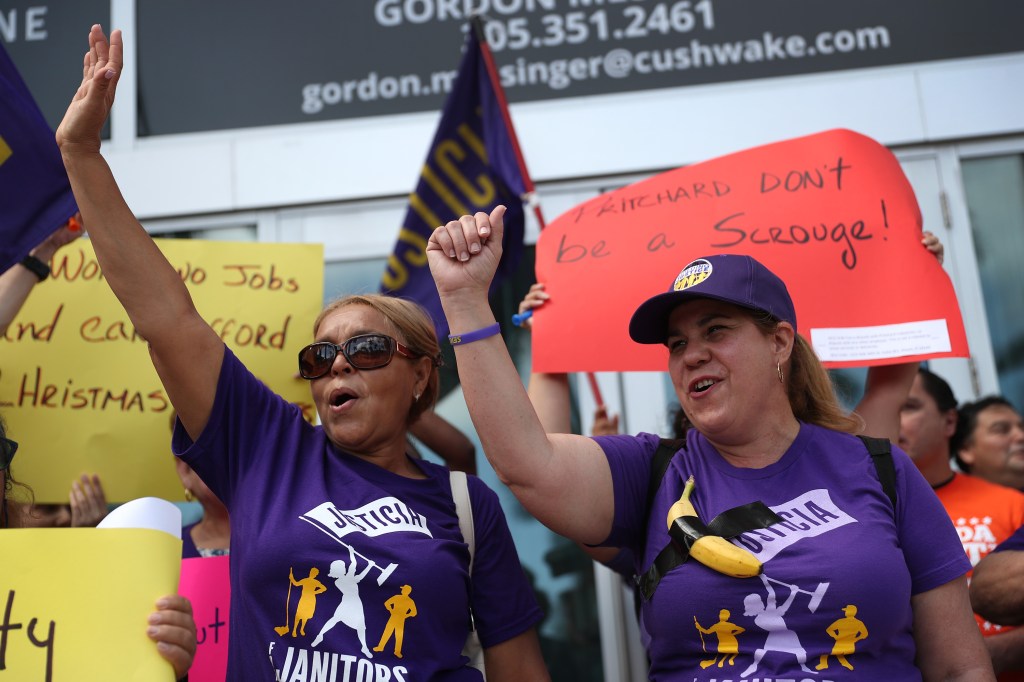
(827, 540)
(303, 497)
(171, 625)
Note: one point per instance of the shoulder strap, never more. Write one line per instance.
(881, 456)
(667, 448)
(670, 557)
(463, 507)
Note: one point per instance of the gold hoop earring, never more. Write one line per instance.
(188, 495)
(778, 366)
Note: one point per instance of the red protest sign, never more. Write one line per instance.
(832, 214)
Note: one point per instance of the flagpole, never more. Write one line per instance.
(476, 21)
(499, 93)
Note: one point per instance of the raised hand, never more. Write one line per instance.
(464, 254)
(535, 298)
(604, 425)
(65, 234)
(90, 107)
(88, 502)
(934, 246)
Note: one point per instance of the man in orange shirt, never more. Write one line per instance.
(984, 513)
(989, 441)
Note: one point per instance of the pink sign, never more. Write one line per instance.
(206, 584)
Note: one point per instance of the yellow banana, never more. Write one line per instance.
(715, 552)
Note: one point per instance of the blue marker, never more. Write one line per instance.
(519, 318)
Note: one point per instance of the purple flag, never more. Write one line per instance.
(35, 195)
(471, 166)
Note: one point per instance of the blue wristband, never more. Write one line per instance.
(470, 337)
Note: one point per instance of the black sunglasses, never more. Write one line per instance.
(366, 351)
(7, 449)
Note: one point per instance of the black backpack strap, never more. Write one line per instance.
(667, 449)
(670, 557)
(881, 456)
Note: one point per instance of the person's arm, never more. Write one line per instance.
(17, 282)
(997, 588)
(887, 387)
(949, 645)
(885, 392)
(550, 397)
(549, 393)
(441, 436)
(186, 352)
(516, 659)
(1006, 650)
(562, 480)
(173, 629)
(88, 502)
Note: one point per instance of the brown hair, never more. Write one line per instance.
(9, 485)
(409, 321)
(809, 388)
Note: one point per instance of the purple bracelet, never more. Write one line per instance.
(470, 337)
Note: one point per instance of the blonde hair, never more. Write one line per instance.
(809, 388)
(409, 321)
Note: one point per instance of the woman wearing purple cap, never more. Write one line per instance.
(857, 579)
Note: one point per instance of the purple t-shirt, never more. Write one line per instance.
(838, 576)
(1015, 542)
(341, 570)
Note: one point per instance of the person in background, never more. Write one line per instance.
(18, 281)
(170, 626)
(767, 428)
(302, 497)
(997, 587)
(448, 442)
(210, 535)
(989, 441)
(86, 507)
(983, 513)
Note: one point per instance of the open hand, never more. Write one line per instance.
(88, 502)
(90, 107)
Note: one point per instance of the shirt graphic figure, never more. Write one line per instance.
(400, 606)
(307, 599)
(769, 617)
(847, 632)
(350, 610)
(728, 646)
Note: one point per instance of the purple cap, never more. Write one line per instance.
(739, 280)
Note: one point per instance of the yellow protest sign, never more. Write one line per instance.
(75, 603)
(77, 386)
